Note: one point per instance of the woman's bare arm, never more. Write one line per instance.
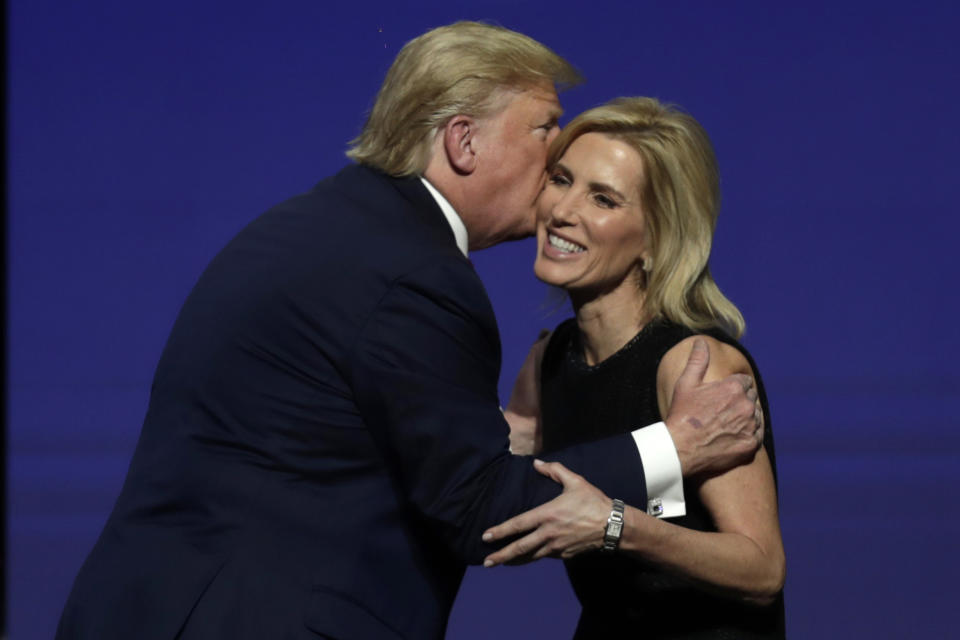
(523, 410)
(745, 557)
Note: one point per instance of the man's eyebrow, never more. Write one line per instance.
(552, 119)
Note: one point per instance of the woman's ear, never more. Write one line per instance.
(458, 144)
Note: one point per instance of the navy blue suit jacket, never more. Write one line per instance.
(323, 447)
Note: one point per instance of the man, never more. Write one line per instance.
(323, 448)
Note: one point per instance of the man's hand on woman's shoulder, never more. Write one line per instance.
(715, 425)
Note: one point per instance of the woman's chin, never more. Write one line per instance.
(547, 275)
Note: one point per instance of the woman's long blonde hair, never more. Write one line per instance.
(680, 198)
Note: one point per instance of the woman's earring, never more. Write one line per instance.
(648, 264)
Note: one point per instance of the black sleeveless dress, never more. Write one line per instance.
(623, 597)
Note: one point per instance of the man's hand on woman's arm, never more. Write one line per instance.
(743, 559)
(715, 426)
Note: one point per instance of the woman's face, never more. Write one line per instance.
(590, 224)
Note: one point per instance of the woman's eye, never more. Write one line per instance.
(559, 179)
(605, 201)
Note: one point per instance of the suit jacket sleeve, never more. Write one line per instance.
(424, 373)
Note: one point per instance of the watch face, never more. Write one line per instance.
(615, 528)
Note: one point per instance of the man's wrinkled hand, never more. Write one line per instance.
(714, 425)
(569, 524)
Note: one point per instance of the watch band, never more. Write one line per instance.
(611, 535)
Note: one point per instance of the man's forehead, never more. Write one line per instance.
(542, 98)
(530, 104)
(545, 93)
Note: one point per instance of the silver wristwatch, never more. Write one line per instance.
(611, 535)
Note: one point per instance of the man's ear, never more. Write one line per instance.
(458, 143)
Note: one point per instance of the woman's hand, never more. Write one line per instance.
(571, 523)
(523, 410)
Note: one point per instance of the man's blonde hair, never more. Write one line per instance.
(458, 69)
(680, 196)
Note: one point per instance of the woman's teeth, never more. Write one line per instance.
(564, 245)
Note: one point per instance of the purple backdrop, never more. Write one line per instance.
(143, 135)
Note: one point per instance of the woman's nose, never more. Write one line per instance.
(564, 210)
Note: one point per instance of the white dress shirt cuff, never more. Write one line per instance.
(661, 469)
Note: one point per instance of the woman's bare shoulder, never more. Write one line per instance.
(725, 360)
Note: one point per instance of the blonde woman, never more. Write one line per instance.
(624, 227)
